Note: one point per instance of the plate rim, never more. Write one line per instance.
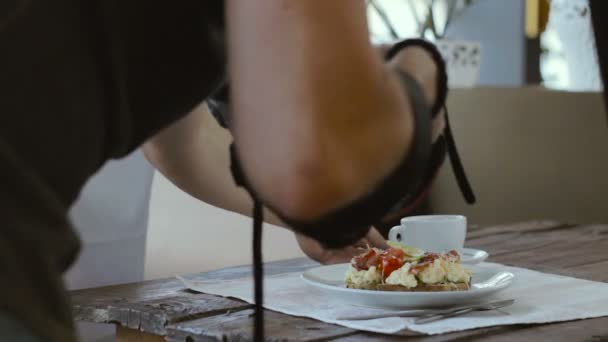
(475, 291)
(475, 261)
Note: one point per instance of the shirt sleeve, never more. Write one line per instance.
(166, 58)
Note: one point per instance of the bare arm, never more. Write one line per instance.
(193, 154)
(318, 118)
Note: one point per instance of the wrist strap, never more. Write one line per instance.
(461, 177)
(442, 76)
(445, 143)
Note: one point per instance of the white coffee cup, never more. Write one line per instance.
(431, 233)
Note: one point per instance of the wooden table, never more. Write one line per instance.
(161, 310)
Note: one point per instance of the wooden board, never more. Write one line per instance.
(239, 327)
(151, 306)
(129, 335)
(163, 307)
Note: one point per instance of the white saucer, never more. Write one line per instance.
(472, 256)
(486, 281)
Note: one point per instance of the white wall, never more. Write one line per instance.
(498, 26)
(187, 236)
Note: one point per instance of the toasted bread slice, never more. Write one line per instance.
(425, 287)
(419, 288)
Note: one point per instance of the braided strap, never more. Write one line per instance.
(442, 76)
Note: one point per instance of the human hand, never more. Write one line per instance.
(314, 250)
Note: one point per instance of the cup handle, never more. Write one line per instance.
(394, 234)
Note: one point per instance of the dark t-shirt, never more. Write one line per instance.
(82, 82)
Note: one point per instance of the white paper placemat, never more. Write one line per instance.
(540, 298)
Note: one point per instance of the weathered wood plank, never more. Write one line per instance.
(130, 335)
(595, 271)
(558, 255)
(126, 292)
(529, 226)
(238, 326)
(154, 314)
(151, 289)
(557, 250)
(511, 241)
(152, 305)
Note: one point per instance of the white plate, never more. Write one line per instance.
(472, 256)
(330, 279)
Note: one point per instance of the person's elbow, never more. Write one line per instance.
(306, 161)
(301, 190)
(153, 153)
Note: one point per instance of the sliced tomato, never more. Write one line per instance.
(396, 252)
(390, 264)
(387, 262)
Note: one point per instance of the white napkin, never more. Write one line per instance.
(539, 298)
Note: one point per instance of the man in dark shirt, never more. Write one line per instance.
(319, 119)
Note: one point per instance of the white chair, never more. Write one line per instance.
(111, 216)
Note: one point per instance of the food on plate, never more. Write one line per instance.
(406, 268)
